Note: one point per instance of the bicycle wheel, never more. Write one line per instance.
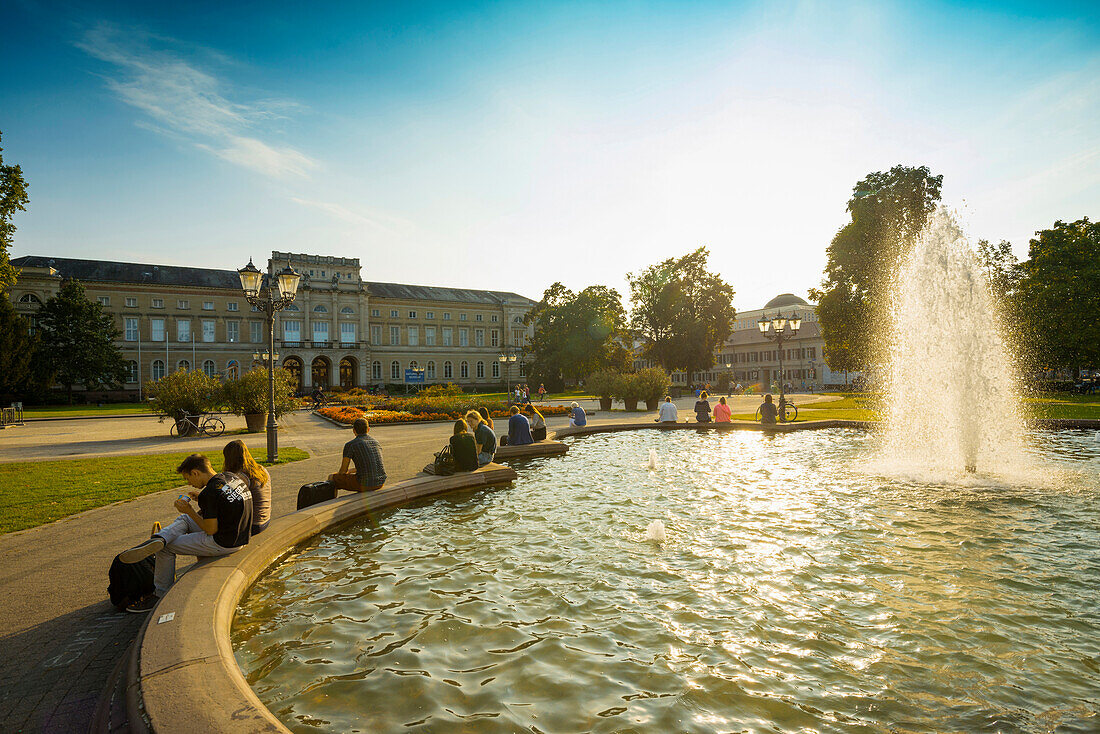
(758, 415)
(790, 413)
(213, 427)
(174, 431)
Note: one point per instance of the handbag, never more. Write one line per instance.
(444, 464)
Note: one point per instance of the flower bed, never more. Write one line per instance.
(348, 413)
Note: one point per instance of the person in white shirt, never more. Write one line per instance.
(667, 412)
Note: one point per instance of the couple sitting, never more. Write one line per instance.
(475, 447)
(524, 427)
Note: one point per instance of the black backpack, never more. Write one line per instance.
(444, 464)
(129, 582)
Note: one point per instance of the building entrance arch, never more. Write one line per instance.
(348, 369)
(293, 365)
(320, 372)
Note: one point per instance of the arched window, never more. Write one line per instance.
(376, 370)
(158, 369)
(464, 369)
(448, 371)
(29, 298)
(183, 365)
(131, 371)
(292, 307)
(413, 365)
(517, 320)
(395, 370)
(320, 308)
(232, 369)
(429, 371)
(496, 369)
(480, 370)
(208, 367)
(348, 310)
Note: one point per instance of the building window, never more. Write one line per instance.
(232, 370)
(183, 365)
(292, 331)
(446, 317)
(448, 371)
(183, 330)
(495, 318)
(462, 317)
(429, 314)
(376, 371)
(395, 370)
(232, 331)
(207, 305)
(414, 336)
(131, 371)
(480, 372)
(29, 298)
(208, 367)
(320, 308)
(158, 303)
(320, 331)
(522, 369)
(463, 337)
(290, 307)
(157, 329)
(374, 312)
(447, 340)
(232, 306)
(464, 369)
(347, 310)
(477, 317)
(131, 329)
(429, 371)
(376, 335)
(255, 332)
(494, 338)
(393, 314)
(412, 314)
(158, 369)
(395, 335)
(347, 333)
(183, 304)
(131, 302)
(104, 300)
(479, 337)
(496, 369)
(429, 336)
(517, 337)
(208, 330)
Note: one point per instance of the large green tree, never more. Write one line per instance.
(576, 334)
(77, 341)
(888, 210)
(13, 198)
(1059, 296)
(681, 311)
(18, 376)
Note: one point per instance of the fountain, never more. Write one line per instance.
(951, 402)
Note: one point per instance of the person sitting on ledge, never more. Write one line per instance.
(576, 415)
(702, 408)
(667, 412)
(484, 437)
(221, 526)
(365, 453)
(722, 411)
(538, 423)
(238, 460)
(519, 429)
(768, 411)
(463, 448)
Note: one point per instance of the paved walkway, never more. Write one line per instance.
(59, 636)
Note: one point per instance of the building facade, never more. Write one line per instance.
(340, 330)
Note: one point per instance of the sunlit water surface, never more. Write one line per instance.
(795, 591)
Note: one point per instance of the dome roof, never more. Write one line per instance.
(785, 299)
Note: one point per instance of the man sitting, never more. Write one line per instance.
(221, 526)
(667, 412)
(366, 454)
(768, 411)
(519, 429)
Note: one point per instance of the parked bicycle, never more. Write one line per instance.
(189, 425)
(787, 411)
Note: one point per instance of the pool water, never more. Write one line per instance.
(800, 587)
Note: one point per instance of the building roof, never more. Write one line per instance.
(104, 271)
(785, 299)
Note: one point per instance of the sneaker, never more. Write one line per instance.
(142, 550)
(144, 604)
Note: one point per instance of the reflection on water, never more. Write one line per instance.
(795, 590)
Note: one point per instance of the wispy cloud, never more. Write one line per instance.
(378, 221)
(182, 100)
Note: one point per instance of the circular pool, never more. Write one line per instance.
(800, 587)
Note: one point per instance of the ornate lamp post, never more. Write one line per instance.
(779, 324)
(507, 357)
(286, 281)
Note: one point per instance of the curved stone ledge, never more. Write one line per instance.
(183, 675)
(731, 426)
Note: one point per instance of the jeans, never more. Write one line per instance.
(484, 458)
(183, 538)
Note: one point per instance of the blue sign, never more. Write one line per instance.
(414, 377)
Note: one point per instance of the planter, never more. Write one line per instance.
(652, 404)
(605, 403)
(630, 404)
(255, 421)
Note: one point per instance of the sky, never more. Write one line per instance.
(509, 145)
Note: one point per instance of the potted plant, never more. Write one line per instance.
(653, 385)
(247, 396)
(604, 385)
(630, 391)
(182, 394)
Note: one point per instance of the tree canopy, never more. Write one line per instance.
(77, 341)
(577, 334)
(13, 198)
(18, 376)
(888, 209)
(681, 311)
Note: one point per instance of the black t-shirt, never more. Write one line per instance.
(464, 452)
(227, 497)
(768, 412)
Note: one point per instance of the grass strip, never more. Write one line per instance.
(34, 493)
(80, 411)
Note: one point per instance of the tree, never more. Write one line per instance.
(889, 209)
(77, 341)
(681, 311)
(1059, 295)
(13, 198)
(18, 376)
(577, 334)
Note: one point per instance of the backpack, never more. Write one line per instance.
(129, 582)
(316, 492)
(444, 464)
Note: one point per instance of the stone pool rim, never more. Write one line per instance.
(182, 675)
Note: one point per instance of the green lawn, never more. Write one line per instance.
(34, 493)
(861, 407)
(76, 411)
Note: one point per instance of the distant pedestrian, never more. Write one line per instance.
(542, 393)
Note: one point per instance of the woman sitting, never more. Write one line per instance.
(576, 415)
(463, 448)
(240, 462)
(722, 411)
(538, 423)
(702, 408)
(484, 437)
(519, 429)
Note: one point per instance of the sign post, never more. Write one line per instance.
(413, 377)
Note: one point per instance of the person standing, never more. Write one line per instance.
(542, 393)
(667, 412)
(365, 453)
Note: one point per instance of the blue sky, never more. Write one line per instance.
(509, 145)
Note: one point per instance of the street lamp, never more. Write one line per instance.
(779, 324)
(729, 378)
(286, 282)
(507, 357)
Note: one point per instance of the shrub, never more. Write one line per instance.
(653, 383)
(247, 395)
(435, 391)
(189, 392)
(604, 384)
(628, 388)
